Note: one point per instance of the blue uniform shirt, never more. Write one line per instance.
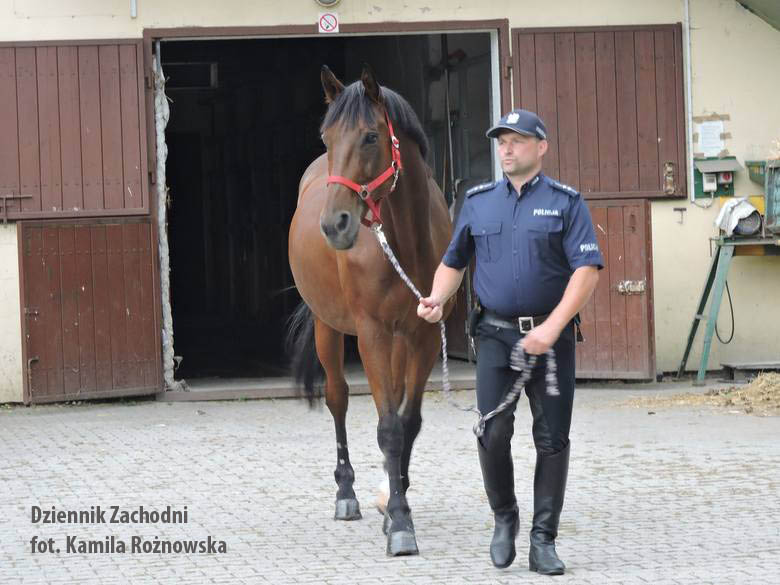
(527, 245)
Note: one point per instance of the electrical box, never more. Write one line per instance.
(714, 176)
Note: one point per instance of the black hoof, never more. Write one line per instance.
(401, 543)
(348, 509)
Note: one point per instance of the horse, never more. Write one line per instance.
(371, 173)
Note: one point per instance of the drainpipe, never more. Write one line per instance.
(133, 8)
(689, 99)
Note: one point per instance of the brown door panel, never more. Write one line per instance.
(617, 321)
(88, 294)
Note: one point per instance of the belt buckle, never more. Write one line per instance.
(525, 324)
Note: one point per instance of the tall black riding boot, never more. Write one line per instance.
(499, 477)
(549, 487)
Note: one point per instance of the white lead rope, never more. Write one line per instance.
(518, 359)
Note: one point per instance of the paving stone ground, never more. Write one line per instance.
(682, 496)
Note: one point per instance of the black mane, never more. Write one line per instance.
(352, 107)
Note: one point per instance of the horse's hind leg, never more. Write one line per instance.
(330, 350)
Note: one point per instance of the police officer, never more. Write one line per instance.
(537, 265)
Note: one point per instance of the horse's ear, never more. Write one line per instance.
(371, 86)
(330, 83)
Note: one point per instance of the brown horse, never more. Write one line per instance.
(375, 156)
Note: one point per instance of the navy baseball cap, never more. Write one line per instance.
(522, 122)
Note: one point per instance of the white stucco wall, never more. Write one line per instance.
(10, 332)
(78, 19)
(733, 54)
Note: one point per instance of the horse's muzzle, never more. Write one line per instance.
(340, 229)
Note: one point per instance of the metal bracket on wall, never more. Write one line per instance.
(5, 198)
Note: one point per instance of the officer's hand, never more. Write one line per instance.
(540, 339)
(430, 309)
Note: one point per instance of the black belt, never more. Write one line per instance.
(524, 324)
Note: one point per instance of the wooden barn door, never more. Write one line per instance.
(73, 149)
(612, 100)
(89, 309)
(617, 323)
(72, 130)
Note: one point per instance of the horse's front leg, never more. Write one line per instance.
(398, 365)
(330, 351)
(375, 343)
(423, 349)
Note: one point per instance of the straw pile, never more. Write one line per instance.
(761, 397)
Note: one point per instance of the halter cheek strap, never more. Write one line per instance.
(365, 191)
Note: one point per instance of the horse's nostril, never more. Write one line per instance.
(343, 223)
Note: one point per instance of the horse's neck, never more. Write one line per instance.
(408, 216)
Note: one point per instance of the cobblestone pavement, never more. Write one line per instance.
(681, 496)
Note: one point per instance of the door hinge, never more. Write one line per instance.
(32, 312)
(507, 67)
(30, 362)
(148, 80)
(153, 177)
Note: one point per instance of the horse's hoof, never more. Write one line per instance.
(401, 543)
(386, 524)
(348, 509)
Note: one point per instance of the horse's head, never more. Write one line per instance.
(361, 166)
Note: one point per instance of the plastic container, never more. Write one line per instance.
(756, 170)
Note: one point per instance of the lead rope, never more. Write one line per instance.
(518, 360)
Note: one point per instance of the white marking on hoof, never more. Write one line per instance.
(383, 495)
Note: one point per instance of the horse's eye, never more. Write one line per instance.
(371, 138)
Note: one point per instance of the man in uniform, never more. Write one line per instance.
(537, 265)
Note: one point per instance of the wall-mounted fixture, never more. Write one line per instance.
(714, 176)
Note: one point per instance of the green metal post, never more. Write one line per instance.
(699, 315)
(724, 261)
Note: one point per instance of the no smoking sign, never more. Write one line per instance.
(328, 22)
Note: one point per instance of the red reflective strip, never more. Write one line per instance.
(375, 212)
(372, 186)
(344, 181)
(394, 143)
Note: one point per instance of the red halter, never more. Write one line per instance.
(364, 191)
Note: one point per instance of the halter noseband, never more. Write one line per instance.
(364, 191)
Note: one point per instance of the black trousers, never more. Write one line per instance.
(551, 414)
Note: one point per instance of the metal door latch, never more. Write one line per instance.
(632, 287)
(670, 178)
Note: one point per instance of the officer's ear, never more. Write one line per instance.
(542, 148)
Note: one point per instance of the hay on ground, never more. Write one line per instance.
(761, 397)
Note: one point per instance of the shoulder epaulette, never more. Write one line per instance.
(562, 187)
(480, 188)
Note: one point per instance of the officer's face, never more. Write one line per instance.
(520, 154)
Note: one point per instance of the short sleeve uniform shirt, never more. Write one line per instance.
(527, 245)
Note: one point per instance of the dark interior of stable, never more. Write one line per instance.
(244, 125)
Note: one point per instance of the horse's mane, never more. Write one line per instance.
(351, 106)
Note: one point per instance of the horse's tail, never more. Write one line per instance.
(299, 344)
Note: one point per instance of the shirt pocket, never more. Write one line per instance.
(487, 240)
(546, 235)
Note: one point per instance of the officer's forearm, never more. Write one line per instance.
(446, 282)
(581, 286)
